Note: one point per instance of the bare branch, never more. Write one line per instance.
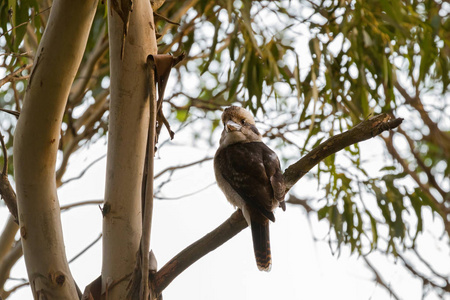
(436, 135)
(425, 280)
(5, 156)
(11, 112)
(84, 170)
(26, 22)
(88, 202)
(235, 224)
(186, 195)
(302, 202)
(420, 162)
(79, 87)
(380, 280)
(171, 169)
(361, 132)
(8, 262)
(12, 75)
(86, 248)
(6, 190)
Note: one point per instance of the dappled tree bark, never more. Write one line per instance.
(36, 144)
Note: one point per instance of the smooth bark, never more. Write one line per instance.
(127, 139)
(36, 144)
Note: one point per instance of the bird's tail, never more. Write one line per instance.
(261, 245)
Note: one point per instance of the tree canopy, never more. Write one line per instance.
(308, 70)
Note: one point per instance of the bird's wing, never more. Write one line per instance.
(242, 166)
(273, 171)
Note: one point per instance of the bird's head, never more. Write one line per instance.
(239, 127)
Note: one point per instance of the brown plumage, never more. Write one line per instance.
(249, 174)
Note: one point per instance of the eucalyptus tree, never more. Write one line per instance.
(311, 70)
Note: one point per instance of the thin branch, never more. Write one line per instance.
(424, 279)
(380, 280)
(86, 248)
(9, 261)
(432, 270)
(436, 135)
(6, 190)
(26, 22)
(88, 202)
(11, 76)
(420, 162)
(171, 169)
(84, 170)
(11, 112)
(5, 156)
(6, 294)
(186, 195)
(231, 227)
(86, 71)
(301, 202)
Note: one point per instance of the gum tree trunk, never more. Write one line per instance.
(36, 144)
(127, 138)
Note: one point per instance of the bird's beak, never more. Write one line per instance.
(232, 126)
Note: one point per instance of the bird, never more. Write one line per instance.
(248, 173)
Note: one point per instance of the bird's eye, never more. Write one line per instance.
(243, 121)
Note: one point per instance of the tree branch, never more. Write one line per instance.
(361, 132)
(231, 227)
(11, 76)
(236, 223)
(6, 190)
(380, 280)
(171, 169)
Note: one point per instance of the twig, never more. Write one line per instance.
(420, 162)
(171, 169)
(379, 279)
(10, 76)
(85, 170)
(88, 202)
(26, 22)
(158, 16)
(188, 194)
(297, 201)
(12, 112)
(424, 279)
(5, 156)
(6, 190)
(86, 248)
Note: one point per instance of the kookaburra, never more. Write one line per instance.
(248, 172)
